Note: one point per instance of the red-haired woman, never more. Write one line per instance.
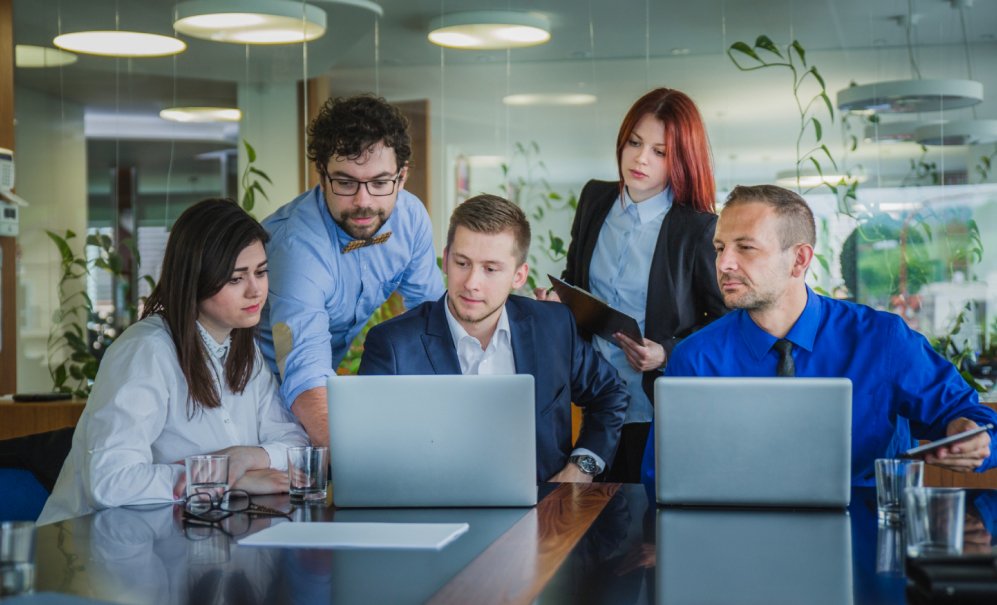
(644, 244)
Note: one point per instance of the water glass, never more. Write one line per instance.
(893, 476)
(207, 474)
(308, 472)
(935, 520)
(17, 558)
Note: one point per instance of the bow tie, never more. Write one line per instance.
(363, 243)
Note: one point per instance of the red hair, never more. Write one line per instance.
(687, 150)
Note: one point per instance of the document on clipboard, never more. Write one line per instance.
(594, 315)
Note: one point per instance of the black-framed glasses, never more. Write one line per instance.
(205, 509)
(375, 187)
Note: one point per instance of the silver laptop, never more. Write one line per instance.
(399, 441)
(753, 441)
(753, 556)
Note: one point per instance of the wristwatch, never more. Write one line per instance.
(586, 463)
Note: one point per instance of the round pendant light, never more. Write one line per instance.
(489, 30)
(26, 55)
(959, 132)
(906, 96)
(250, 21)
(120, 44)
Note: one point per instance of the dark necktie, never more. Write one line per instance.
(363, 243)
(786, 366)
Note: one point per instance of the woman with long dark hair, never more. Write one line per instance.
(187, 379)
(644, 244)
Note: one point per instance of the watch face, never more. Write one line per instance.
(587, 464)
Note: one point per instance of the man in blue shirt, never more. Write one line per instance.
(338, 251)
(902, 389)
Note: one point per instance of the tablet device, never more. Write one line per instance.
(593, 315)
(921, 450)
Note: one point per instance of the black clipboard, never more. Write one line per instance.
(594, 315)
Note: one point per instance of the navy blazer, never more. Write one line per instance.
(545, 344)
(682, 291)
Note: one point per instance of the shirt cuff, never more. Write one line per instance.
(290, 395)
(278, 455)
(580, 451)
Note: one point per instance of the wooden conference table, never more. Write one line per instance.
(600, 543)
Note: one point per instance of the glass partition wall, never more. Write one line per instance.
(907, 227)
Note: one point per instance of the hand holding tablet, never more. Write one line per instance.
(928, 448)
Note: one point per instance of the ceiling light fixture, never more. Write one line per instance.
(201, 114)
(958, 132)
(523, 99)
(489, 30)
(810, 178)
(251, 21)
(120, 44)
(26, 55)
(906, 96)
(892, 132)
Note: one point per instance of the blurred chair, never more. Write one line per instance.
(29, 467)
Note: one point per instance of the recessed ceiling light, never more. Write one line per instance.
(959, 132)
(251, 21)
(489, 30)
(680, 51)
(26, 55)
(810, 178)
(201, 114)
(549, 99)
(120, 44)
(906, 96)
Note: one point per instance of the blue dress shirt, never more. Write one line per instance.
(326, 297)
(902, 389)
(620, 269)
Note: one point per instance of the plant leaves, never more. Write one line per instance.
(799, 51)
(818, 132)
(250, 152)
(765, 43)
(261, 174)
(827, 102)
(743, 48)
(817, 75)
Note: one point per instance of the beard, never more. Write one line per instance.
(471, 319)
(362, 232)
(749, 299)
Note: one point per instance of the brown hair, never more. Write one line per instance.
(687, 148)
(797, 224)
(492, 214)
(201, 253)
(349, 127)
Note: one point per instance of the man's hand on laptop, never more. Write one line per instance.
(571, 474)
(964, 456)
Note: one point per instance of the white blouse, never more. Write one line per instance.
(136, 428)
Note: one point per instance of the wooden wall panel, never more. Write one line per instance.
(8, 245)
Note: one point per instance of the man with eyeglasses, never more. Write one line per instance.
(338, 251)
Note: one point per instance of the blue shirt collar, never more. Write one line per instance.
(650, 208)
(802, 334)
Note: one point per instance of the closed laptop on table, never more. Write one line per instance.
(449, 440)
(753, 441)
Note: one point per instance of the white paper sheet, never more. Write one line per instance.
(427, 536)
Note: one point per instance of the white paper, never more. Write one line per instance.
(426, 536)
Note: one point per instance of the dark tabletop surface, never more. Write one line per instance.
(633, 552)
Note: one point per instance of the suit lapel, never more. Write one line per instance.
(438, 341)
(661, 286)
(524, 348)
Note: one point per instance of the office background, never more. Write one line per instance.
(92, 152)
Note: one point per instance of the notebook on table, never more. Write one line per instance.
(432, 441)
(753, 441)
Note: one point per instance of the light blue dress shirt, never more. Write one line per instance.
(325, 297)
(620, 269)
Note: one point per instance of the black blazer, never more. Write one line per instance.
(682, 291)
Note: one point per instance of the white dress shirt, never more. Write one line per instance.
(138, 426)
(496, 358)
